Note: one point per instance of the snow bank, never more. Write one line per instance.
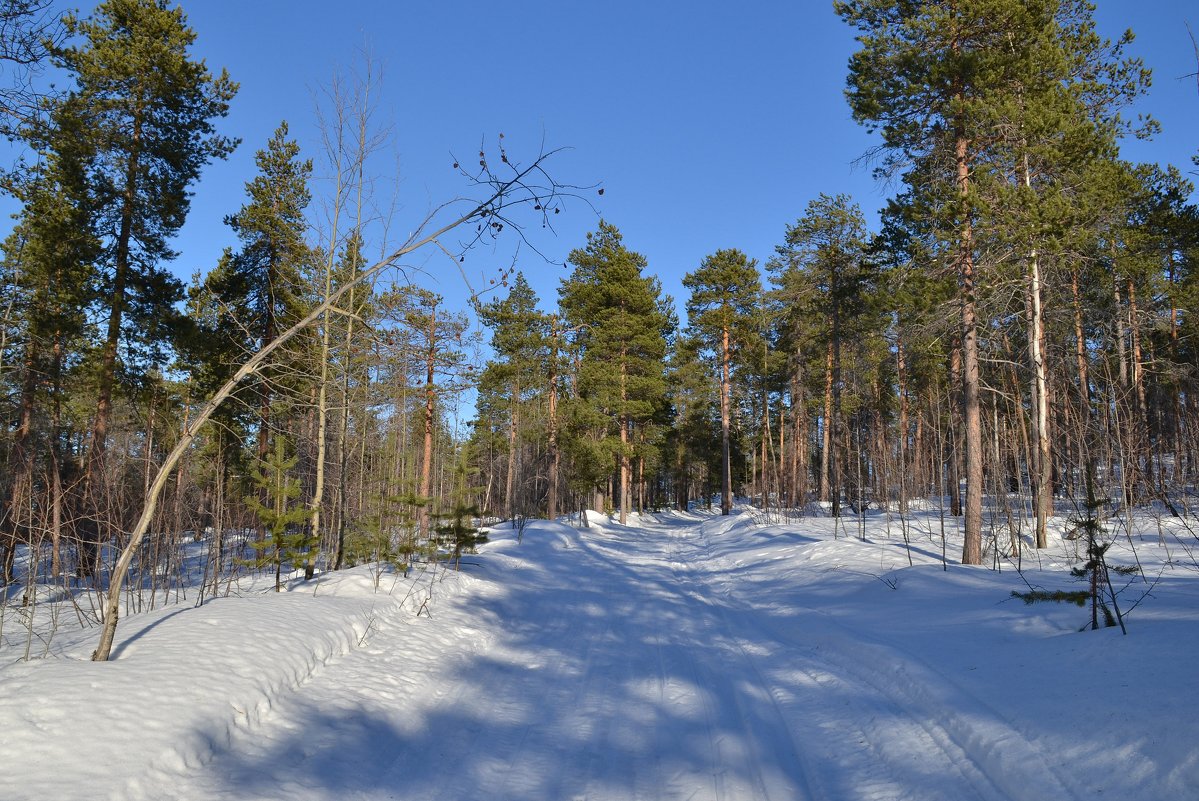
(181, 681)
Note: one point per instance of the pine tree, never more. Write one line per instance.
(725, 292)
(622, 325)
(920, 298)
(978, 86)
(693, 454)
(258, 288)
(149, 110)
(822, 271)
(48, 257)
(433, 342)
(922, 64)
(519, 341)
(255, 291)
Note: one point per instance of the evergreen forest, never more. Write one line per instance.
(1014, 334)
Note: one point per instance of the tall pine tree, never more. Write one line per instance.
(519, 339)
(149, 109)
(622, 325)
(725, 293)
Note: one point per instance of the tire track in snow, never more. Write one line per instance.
(624, 666)
(984, 750)
(650, 665)
(752, 754)
(992, 760)
(840, 761)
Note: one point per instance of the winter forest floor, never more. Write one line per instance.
(686, 656)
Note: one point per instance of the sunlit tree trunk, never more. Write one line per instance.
(972, 418)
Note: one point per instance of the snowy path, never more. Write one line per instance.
(610, 664)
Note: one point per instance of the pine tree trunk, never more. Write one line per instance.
(1173, 407)
(1140, 421)
(901, 445)
(1121, 333)
(623, 419)
(426, 469)
(1084, 381)
(954, 464)
(513, 425)
(799, 443)
(921, 474)
(1036, 336)
(765, 461)
(20, 466)
(826, 449)
(57, 499)
(555, 457)
(835, 467)
(972, 542)
(779, 467)
(116, 307)
(726, 459)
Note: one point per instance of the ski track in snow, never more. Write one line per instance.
(612, 663)
(875, 733)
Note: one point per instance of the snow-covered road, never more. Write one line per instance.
(686, 657)
(610, 664)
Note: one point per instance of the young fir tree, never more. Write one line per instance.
(286, 540)
(621, 331)
(148, 109)
(721, 313)
(386, 536)
(458, 532)
(1088, 526)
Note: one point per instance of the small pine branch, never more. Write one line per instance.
(1076, 597)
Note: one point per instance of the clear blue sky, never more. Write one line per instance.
(709, 124)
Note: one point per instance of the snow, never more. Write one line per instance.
(685, 656)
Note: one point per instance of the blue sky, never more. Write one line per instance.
(709, 124)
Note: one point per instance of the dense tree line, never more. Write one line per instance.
(1016, 328)
(331, 444)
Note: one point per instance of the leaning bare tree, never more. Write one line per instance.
(499, 193)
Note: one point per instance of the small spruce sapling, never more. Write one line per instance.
(458, 532)
(286, 539)
(1095, 570)
(388, 538)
